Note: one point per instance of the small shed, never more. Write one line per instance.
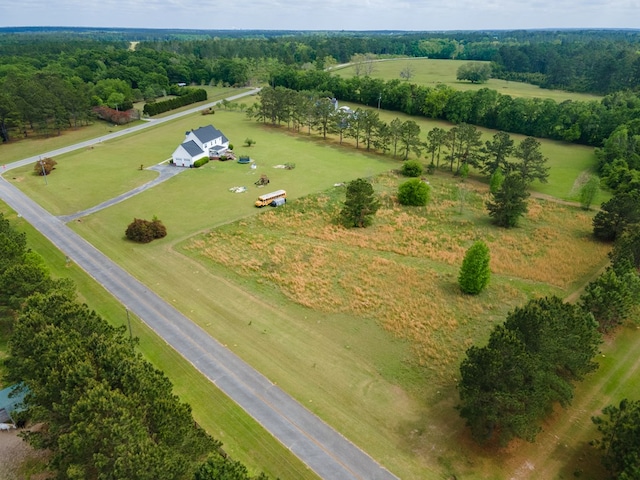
(11, 399)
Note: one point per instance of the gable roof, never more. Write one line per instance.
(206, 134)
(192, 148)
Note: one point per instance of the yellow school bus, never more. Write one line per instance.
(267, 198)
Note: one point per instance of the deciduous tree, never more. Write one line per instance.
(414, 192)
(475, 72)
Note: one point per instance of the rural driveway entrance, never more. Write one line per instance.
(323, 449)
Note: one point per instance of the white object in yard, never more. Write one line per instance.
(5, 427)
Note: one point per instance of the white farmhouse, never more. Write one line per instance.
(202, 142)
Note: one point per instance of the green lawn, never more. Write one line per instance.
(430, 72)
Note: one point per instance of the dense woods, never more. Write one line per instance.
(107, 412)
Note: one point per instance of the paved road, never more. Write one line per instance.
(320, 447)
(125, 131)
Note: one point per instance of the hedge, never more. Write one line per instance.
(192, 96)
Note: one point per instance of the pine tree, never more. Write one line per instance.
(360, 205)
(509, 203)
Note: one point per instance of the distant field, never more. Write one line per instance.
(430, 72)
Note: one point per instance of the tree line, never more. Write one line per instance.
(107, 412)
(75, 68)
(586, 61)
(585, 122)
(456, 149)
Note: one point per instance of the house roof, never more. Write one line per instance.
(208, 133)
(192, 148)
(10, 403)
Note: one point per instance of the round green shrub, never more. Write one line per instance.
(414, 192)
(411, 168)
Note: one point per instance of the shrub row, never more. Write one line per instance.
(192, 96)
(202, 161)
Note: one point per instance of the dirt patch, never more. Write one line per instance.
(14, 453)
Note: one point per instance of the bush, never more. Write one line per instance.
(411, 168)
(475, 272)
(200, 162)
(414, 192)
(44, 166)
(144, 231)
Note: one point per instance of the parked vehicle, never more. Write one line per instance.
(266, 199)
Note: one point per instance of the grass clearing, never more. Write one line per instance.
(285, 290)
(430, 72)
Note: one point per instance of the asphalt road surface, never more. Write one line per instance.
(320, 447)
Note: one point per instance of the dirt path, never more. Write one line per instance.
(13, 452)
(563, 444)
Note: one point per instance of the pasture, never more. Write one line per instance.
(430, 72)
(318, 309)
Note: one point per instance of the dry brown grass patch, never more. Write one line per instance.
(402, 271)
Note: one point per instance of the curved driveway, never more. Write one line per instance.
(320, 447)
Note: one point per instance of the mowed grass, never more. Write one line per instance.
(568, 164)
(243, 438)
(430, 72)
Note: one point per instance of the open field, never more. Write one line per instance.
(350, 365)
(111, 165)
(430, 72)
(287, 292)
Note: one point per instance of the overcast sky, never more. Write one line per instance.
(324, 15)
